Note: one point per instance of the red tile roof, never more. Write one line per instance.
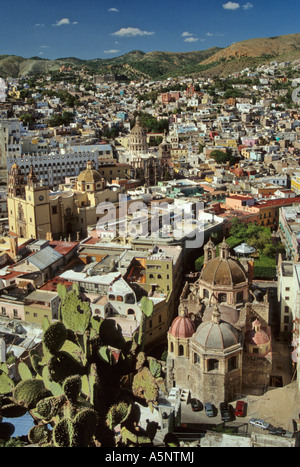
(63, 247)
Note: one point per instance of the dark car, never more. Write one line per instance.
(196, 405)
(240, 409)
(278, 431)
(225, 412)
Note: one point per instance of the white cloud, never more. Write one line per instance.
(216, 34)
(132, 32)
(247, 6)
(115, 10)
(191, 39)
(111, 51)
(231, 6)
(39, 25)
(63, 22)
(186, 34)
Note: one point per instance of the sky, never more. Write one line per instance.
(90, 29)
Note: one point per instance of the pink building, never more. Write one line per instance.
(12, 307)
(239, 202)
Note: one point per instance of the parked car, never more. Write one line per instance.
(278, 431)
(240, 409)
(209, 410)
(196, 405)
(225, 412)
(259, 423)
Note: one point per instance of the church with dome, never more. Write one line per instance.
(219, 346)
(150, 164)
(37, 212)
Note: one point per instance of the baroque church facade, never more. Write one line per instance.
(35, 211)
(152, 167)
(219, 346)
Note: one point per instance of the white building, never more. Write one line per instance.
(54, 168)
(289, 298)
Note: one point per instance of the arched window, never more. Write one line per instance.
(172, 347)
(130, 311)
(181, 351)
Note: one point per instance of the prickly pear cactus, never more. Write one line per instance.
(76, 386)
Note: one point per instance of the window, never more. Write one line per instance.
(205, 293)
(3, 310)
(15, 313)
(54, 209)
(181, 351)
(286, 309)
(196, 358)
(222, 297)
(129, 298)
(212, 364)
(232, 363)
(239, 297)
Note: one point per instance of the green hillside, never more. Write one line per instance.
(160, 65)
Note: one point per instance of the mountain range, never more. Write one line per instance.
(160, 65)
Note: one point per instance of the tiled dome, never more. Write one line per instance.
(219, 271)
(257, 336)
(89, 175)
(182, 327)
(217, 336)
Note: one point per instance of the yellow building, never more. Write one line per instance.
(35, 212)
(295, 183)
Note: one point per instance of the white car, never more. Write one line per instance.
(259, 423)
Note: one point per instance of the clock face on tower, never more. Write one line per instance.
(41, 198)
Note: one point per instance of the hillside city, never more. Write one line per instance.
(182, 195)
